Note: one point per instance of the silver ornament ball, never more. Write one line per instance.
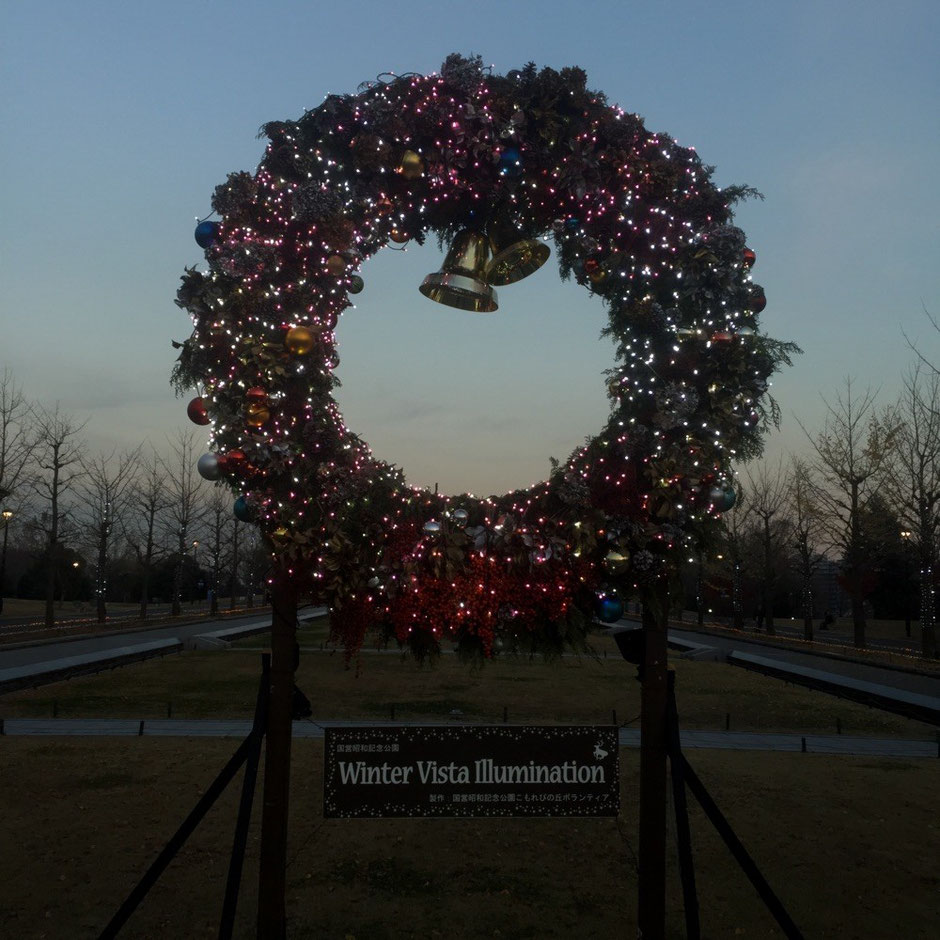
(208, 467)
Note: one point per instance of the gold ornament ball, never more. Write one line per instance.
(256, 416)
(336, 265)
(617, 562)
(398, 236)
(299, 340)
(411, 166)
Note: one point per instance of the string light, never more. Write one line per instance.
(635, 219)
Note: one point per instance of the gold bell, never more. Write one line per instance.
(514, 260)
(411, 165)
(461, 281)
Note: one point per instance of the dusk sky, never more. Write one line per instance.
(119, 120)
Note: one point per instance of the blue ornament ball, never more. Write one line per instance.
(722, 498)
(242, 510)
(510, 162)
(609, 608)
(207, 234)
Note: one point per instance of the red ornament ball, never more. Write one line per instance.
(758, 300)
(257, 395)
(591, 265)
(197, 412)
(749, 257)
(233, 463)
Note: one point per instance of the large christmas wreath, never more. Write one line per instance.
(517, 159)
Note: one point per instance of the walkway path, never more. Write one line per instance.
(909, 681)
(31, 666)
(21, 655)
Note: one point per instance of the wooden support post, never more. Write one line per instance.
(272, 880)
(651, 905)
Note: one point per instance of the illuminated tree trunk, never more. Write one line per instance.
(928, 627)
(737, 607)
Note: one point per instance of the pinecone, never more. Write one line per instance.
(465, 74)
(235, 194)
(312, 202)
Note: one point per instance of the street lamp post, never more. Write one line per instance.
(75, 566)
(906, 542)
(7, 515)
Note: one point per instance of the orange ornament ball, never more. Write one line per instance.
(398, 236)
(299, 340)
(336, 265)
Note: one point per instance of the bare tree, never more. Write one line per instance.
(184, 504)
(913, 485)
(805, 528)
(234, 563)
(16, 440)
(767, 495)
(16, 448)
(257, 563)
(59, 451)
(106, 489)
(849, 468)
(147, 500)
(734, 525)
(219, 520)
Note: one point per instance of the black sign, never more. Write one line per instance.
(471, 770)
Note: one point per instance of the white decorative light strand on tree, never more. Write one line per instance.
(634, 218)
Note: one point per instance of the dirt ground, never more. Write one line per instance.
(846, 843)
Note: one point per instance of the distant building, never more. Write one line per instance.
(827, 592)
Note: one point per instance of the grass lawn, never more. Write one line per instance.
(842, 840)
(846, 843)
(16, 607)
(875, 629)
(378, 686)
(69, 626)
